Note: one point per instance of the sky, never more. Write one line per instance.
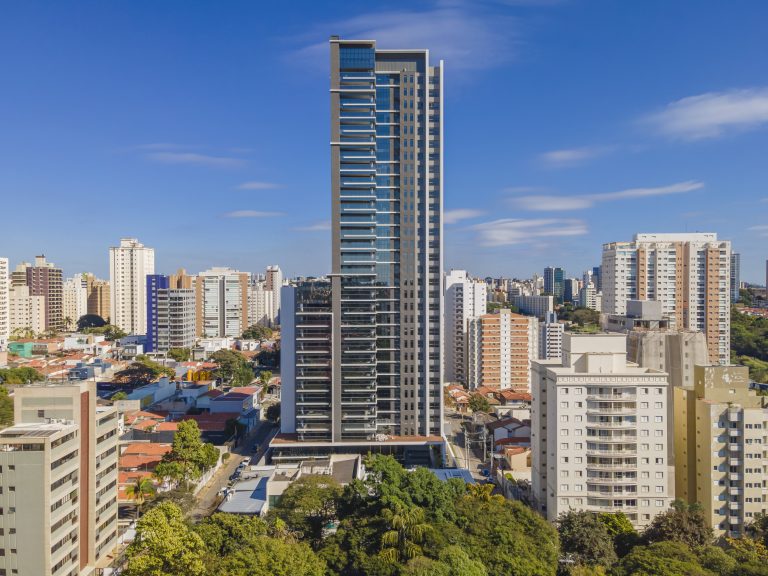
(202, 128)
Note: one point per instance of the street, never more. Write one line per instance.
(208, 498)
(470, 459)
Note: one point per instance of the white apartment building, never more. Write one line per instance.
(465, 299)
(274, 283)
(551, 338)
(59, 494)
(26, 312)
(537, 306)
(222, 303)
(175, 318)
(688, 273)
(590, 298)
(600, 432)
(129, 265)
(74, 300)
(260, 304)
(5, 304)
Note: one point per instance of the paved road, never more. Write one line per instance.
(470, 459)
(208, 498)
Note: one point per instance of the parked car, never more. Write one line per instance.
(485, 472)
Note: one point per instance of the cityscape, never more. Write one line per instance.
(400, 380)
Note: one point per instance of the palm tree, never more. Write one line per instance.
(140, 491)
(407, 531)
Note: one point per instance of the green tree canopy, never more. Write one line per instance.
(272, 412)
(257, 332)
(6, 408)
(584, 539)
(272, 557)
(109, 331)
(233, 367)
(143, 371)
(90, 321)
(180, 354)
(309, 504)
(661, 559)
(189, 457)
(479, 403)
(682, 523)
(165, 546)
(22, 375)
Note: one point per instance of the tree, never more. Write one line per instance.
(683, 523)
(407, 531)
(119, 395)
(109, 331)
(179, 354)
(660, 559)
(139, 491)
(223, 534)
(6, 408)
(184, 499)
(165, 546)
(143, 371)
(584, 539)
(67, 322)
(257, 332)
(460, 564)
(272, 557)
(265, 377)
(624, 535)
(189, 457)
(18, 376)
(90, 321)
(232, 367)
(273, 412)
(309, 505)
(479, 403)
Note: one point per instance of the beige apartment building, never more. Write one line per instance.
(720, 438)
(688, 273)
(500, 349)
(98, 295)
(62, 489)
(599, 432)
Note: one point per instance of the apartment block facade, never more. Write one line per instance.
(170, 315)
(5, 304)
(554, 283)
(688, 273)
(600, 432)
(721, 432)
(465, 299)
(538, 306)
(26, 312)
(45, 280)
(222, 303)
(551, 338)
(129, 265)
(64, 501)
(386, 281)
(74, 300)
(501, 348)
(735, 276)
(98, 295)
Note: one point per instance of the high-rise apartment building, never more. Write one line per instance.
(273, 284)
(98, 294)
(129, 265)
(260, 303)
(59, 479)
(5, 304)
(386, 293)
(74, 300)
(597, 277)
(571, 291)
(43, 279)
(735, 276)
(538, 306)
(170, 314)
(551, 338)
(26, 312)
(688, 273)
(222, 303)
(720, 437)
(600, 432)
(465, 299)
(554, 283)
(500, 350)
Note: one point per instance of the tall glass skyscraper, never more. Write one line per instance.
(386, 297)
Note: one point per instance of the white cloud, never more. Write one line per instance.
(195, 159)
(571, 156)
(453, 216)
(464, 35)
(251, 214)
(525, 189)
(580, 202)
(320, 226)
(712, 114)
(510, 231)
(255, 185)
(761, 230)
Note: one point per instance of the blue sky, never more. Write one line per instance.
(202, 127)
